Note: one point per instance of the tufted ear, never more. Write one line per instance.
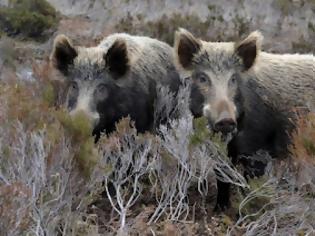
(63, 53)
(186, 47)
(248, 49)
(116, 58)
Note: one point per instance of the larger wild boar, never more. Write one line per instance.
(246, 92)
(242, 89)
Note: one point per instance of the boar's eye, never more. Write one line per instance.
(73, 88)
(73, 92)
(233, 80)
(202, 78)
(73, 85)
(101, 88)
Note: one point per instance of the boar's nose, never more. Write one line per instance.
(225, 126)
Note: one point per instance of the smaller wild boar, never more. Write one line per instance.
(115, 79)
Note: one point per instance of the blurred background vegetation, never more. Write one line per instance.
(28, 19)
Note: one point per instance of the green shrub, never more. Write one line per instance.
(203, 134)
(28, 19)
(38, 6)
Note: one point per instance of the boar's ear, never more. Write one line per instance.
(248, 49)
(116, 58)
(186, 47)
(63, 53)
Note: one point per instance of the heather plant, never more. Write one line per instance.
(40, 179)
(54, 180)
(52, 174)
(286, 206)
(125, 159)
(282, 201)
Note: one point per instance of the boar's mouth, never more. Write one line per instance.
(96, 133)
(101, 127)
(225, 135)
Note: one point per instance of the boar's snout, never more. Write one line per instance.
(225, 126)
(225, 122)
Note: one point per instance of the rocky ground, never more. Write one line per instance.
(288, 25)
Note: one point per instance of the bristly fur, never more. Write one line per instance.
(249, 48)
(63, 53)
(187, 46)
(116, 58)
(285, 81)
(255, 36)
(115, 79)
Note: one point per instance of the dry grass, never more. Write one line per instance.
(52, 174)
(303, 146)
